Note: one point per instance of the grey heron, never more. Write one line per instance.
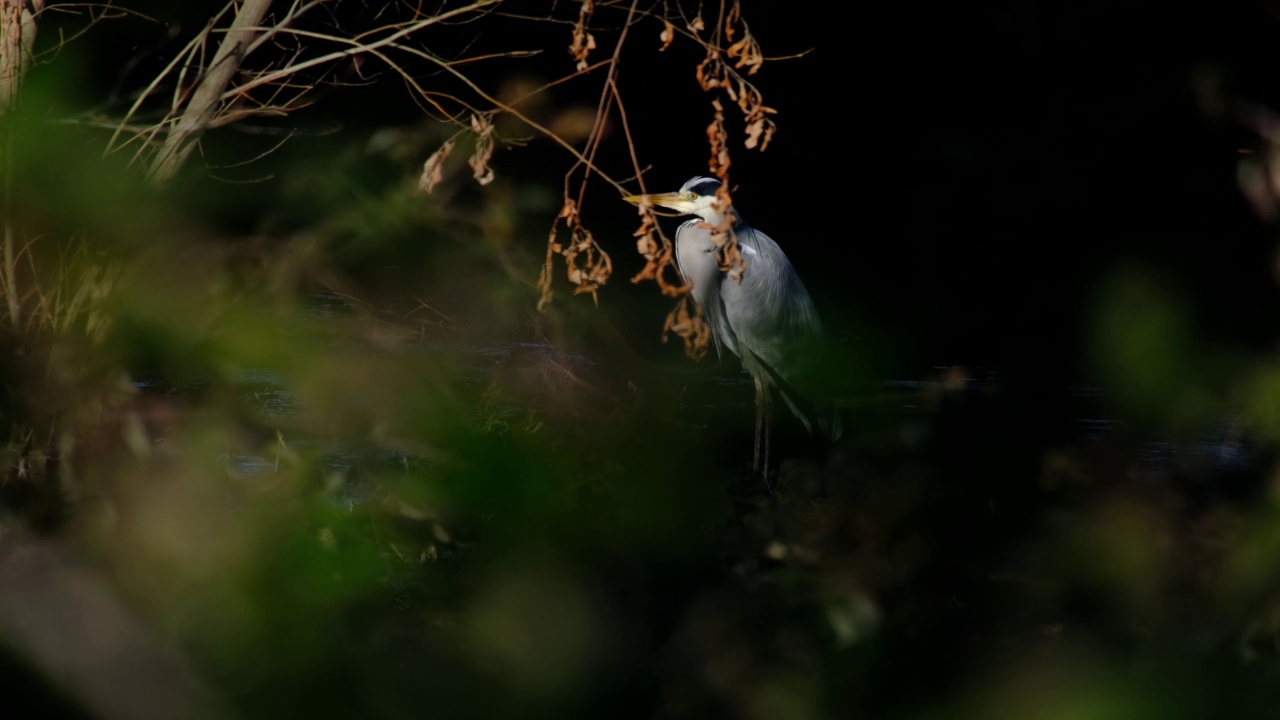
(764, 315)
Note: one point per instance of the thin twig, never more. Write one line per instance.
(360, 47)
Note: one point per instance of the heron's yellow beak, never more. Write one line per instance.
(666, 200)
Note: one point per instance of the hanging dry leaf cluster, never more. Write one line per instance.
(713, 72)
(589, 266)
(687, 323)
(747, 50)
(727, 243)
(657, 251)
(718, 141)
(732, 54)
(583, 41)
(433, 168)
(668, 34)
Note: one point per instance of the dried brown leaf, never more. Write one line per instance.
(433, 168)
(748, 53)
(710, 71)
(718, 138)
(668, 34)
(587, 264)
(569, 210)
(754, 131)
(583, 42)
(479, 161)
(690, 327)
(732, 19)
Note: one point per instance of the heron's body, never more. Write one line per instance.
(765, 317)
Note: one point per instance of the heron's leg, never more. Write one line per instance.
(768, 431)
(760, 419)
(764, 427)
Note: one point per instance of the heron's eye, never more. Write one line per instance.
(691, 196)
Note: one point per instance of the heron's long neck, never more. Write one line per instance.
(716, 219)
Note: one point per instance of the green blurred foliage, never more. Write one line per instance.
(1147, 350)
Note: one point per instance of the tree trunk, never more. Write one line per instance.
(17, 36)
(202, 108)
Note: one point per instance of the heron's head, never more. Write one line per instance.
(695, 197)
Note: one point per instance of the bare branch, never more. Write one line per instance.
(181, 57)
(204, 103)
(293, 14)
(359, 46)
(510, 109)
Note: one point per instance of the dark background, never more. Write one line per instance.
(991, 165)
(955, 183)
(961, 178)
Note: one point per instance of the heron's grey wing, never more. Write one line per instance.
(777, 328)
(696, 258)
